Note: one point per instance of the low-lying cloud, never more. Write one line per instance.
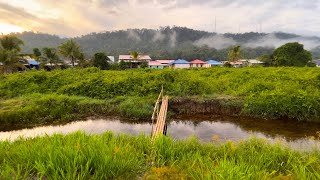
(269, 40)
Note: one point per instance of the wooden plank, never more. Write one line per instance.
(161, 120)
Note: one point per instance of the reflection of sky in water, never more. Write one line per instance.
(204, 130)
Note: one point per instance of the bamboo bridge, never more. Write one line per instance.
(159, 115)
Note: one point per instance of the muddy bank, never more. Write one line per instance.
(226, 106)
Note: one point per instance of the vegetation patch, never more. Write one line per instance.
(271, 93)
(107, 156)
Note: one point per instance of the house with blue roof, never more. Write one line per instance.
(213, 63)
(179, 64)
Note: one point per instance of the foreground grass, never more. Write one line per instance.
(273, 93)
(107, 156)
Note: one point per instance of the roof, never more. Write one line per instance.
(214, 62)
(254, 61)
(165, 61)
(33, 62)
(180, 61)
(236, 63)
(155, 63)
(129, 57)
(111, 58)
(197, 61)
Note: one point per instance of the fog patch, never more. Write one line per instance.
(216, 41)
(158, 36)
(271, 40)
(173, 39)
(132, 34)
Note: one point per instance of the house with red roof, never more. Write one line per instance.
(199, 64)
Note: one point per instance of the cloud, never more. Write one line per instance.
(271, 40)
(216, 41)
(158, 36)
(173, 39)
(132, 34)
(74, 18)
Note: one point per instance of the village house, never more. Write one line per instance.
(250, 62)
(112, 59)
(159, 64)
(156, 65)
(237, 64)
(135, 63)
(316, 62)
(212, 63)
(30, 63)
(179, 64)
(198, 64)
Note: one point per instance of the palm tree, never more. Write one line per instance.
(234, 54)
(134, 56)
(70, 49)
(9, 49)
(9, 61)
(11, 42)
(50, 56)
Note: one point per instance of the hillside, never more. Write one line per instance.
(175, 42)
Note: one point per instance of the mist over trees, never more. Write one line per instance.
(173, 43)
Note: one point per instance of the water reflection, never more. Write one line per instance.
(205, 130)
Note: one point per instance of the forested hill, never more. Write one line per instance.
(173, 42)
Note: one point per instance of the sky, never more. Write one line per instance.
(70, 18)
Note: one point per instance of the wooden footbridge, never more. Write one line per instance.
(159, 115)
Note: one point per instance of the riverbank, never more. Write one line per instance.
(34, 98)
(109, 156)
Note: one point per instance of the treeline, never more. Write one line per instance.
(164, 43)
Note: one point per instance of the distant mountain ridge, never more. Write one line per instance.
(170, 39)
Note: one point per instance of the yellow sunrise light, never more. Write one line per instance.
(8, 28)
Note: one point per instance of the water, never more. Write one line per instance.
(302, 136)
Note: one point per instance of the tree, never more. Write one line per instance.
(135, 56)
(11, 42)
(70, 49)
(101, 61)
(291, 54)
(10, 61)
(9, 49)
(50, 56)
(144, 64)
(123, 65)
(267, 59)
(234, 54)
(36, 52)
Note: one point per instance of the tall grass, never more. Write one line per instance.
(37, 109)
(266, 92)
(107, 156)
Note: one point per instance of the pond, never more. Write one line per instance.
(302, 136)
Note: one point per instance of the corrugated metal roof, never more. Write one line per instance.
(180, 61)
(33, 62)
(165, 61)
(213, 62)
(155, 63)
(197, 61)
(129, 57)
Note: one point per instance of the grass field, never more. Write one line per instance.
(109, 156)
(272, 93)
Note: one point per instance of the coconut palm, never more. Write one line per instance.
(134, 56)
(50, 56)
(9, 49)
(234, 54)
(11, 42)
(9, 61)
(71, 50)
